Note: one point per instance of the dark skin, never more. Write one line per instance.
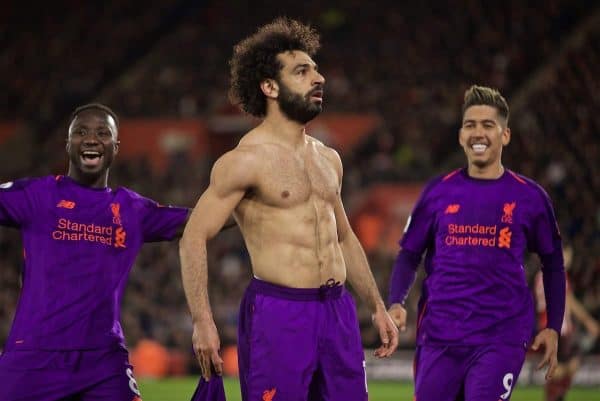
(92, 144)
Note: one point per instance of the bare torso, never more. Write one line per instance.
(287, 219)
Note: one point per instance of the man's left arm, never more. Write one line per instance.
(545, 240)
(361, 278)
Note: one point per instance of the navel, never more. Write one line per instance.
(285, 194)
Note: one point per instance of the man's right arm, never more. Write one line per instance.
(230, 178)
(417, 235)
(15, 203)
(403, 276)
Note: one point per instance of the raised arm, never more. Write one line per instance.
(360, 276)
(230, 178)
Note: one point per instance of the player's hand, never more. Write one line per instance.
(398, 315)
(206, 348)
(388, 333)
(548, 338)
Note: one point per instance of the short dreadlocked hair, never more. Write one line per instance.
(94, 106)
(255, 59)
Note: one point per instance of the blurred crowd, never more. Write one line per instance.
(409, 63)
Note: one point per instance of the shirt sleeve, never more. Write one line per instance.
(159, 222)
(403, 275)
(15, 203)
(544, 239)
(419, 227)
(544, 235)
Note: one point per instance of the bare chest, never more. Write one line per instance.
(288, 180)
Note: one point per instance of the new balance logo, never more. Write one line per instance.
(504, 238)
(65, 204)
(269, 395)
(508, 212)
(451, 209)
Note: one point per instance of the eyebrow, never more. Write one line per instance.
(305, 65)
(485, 120)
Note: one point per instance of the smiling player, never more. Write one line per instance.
(475, 225)
(80, 240)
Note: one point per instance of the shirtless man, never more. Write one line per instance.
(298, 332)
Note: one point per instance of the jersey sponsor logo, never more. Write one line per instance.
(65, 204)
(478, 235)
(504, 238)
(69, 230)
(269, 395)
(6, 185)
(452, 209)
(507, 210)
(471, 235)
(120, 236)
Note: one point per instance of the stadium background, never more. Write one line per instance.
(395, 78)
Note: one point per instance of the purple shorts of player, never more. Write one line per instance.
(467, 373)
(212, 390)
(300, 344)
(95, 375)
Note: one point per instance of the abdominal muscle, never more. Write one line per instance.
(294, 247)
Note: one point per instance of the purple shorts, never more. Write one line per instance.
(97, 375)
(300, 344)
(469, 373)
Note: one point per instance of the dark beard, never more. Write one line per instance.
(295, 107)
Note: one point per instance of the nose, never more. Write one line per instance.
(479, 131)
(319, 79)
(90, 139)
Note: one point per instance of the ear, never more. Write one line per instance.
(270, 88)
(506, 136)
(116, 147)
(67, 145)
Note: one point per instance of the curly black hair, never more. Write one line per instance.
(255, 59)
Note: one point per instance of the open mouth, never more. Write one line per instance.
(317, 95)
(479, 148)
(91, 158)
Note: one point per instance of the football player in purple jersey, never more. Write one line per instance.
(474, 225)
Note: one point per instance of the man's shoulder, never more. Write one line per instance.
(527, 184)
(442, 181)
(328, 152)
(320, 146)
(127, 193)
(29, 182)
(245, 155)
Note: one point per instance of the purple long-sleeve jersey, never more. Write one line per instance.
(475, 234)
(79, 246)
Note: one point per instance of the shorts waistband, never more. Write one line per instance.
(330, 290)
